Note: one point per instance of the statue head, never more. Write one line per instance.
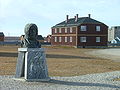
(31, 31)
(30, 38)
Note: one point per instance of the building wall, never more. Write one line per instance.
(64, 34)
(91, 29)
(113, 32)
(91, 35)
(1, 38)
(12, 39)
(47, 39)
(91, 41)
(76, 33)
(63, 30)
(111, 35)
(73, 43)
(117, 31)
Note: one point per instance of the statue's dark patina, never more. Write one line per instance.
(30, 38)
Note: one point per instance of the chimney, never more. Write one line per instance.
(67, 16)
(89, 15)
(76, 19)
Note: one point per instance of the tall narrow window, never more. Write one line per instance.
(83, 28)
(70, 39)
(97, 28)
(65, 39)
(60, 30)
(66, 30)
(97, 39)
(55, 30)
(55, 39)
(70, 29)
(60, 39)
(83, 39)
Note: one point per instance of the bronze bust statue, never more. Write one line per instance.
(29, 40)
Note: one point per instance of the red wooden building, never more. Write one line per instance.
(48, 39)
(1, 36)
(80, 32)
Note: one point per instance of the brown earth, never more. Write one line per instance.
(62, 61)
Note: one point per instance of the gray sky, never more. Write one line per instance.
(15, 14)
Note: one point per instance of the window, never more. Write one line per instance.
(60, 39)
(70, 39)
(70, 29)
(65, 39)
(65, 30)
(55, 30)
(83, 28)
(55, 39)
(97, 39)
(97, 28)
(60, 30)
(82, 39)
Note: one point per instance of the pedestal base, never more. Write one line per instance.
(32, 80)
(35, 67)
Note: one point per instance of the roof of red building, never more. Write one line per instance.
(82, 20)
(1, 34)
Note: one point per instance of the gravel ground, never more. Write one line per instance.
(100, 81)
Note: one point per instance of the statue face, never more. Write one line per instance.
(32, 32)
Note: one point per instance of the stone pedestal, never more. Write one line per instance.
(20, 66)
(32, 65)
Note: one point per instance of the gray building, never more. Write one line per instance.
(113, 32)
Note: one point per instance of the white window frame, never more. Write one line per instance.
(66, 30)
(83, 28)
(97, 28)
(55, 30)
(71, 30)
(55, 39)
(70, 39)
(97, 39)
(60, 39)
(83, 39)
(65, 39)
(60, 30)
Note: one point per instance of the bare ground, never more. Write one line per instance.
(111, 53)
(61, 61)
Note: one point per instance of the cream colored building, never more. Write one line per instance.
(113, 32)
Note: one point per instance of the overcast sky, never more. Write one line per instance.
(15, 14)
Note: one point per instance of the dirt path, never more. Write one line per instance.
(112, 54)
